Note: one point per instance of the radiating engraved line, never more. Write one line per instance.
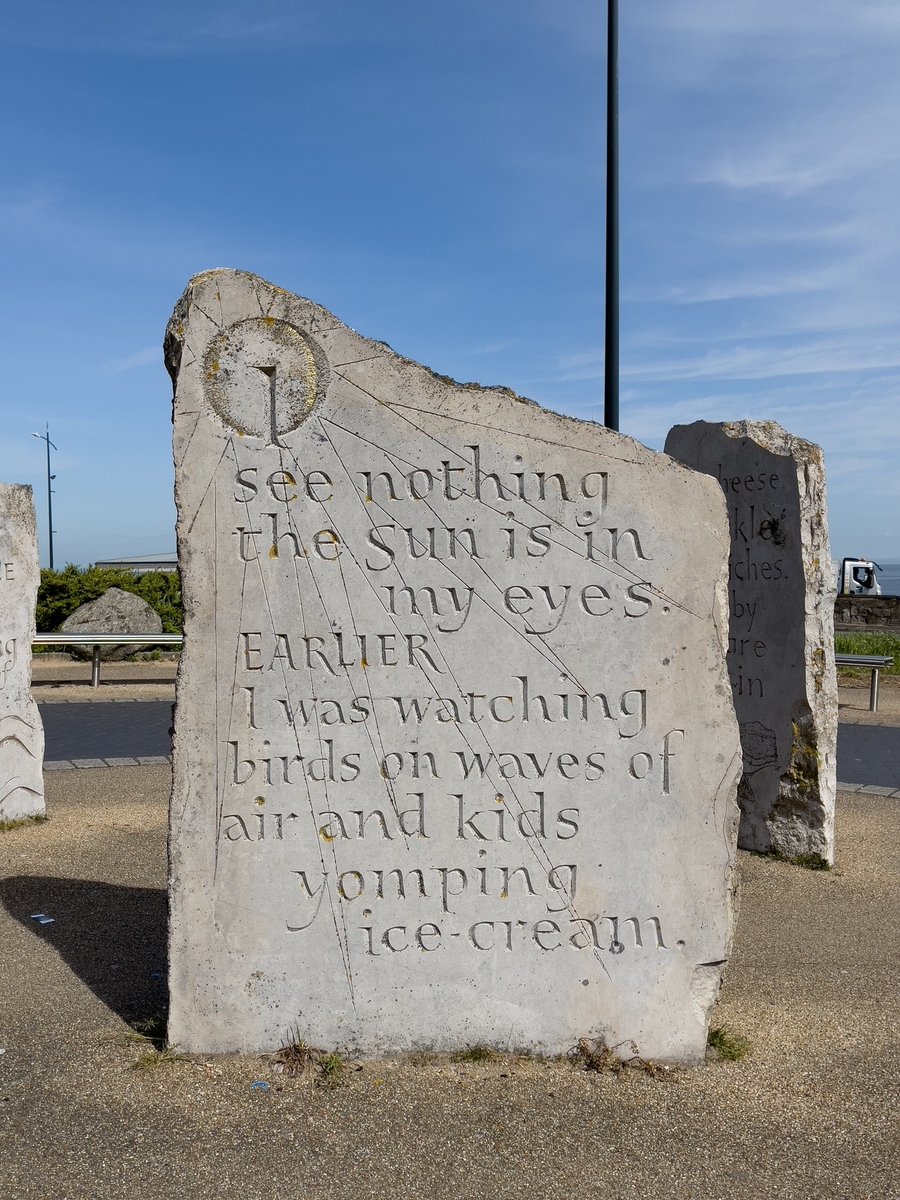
(343, 943)
(539, 646)
(354, 361)
(615, 568)
(394, 405)
(346, 952)
(531, 437)
(257, 293)
(209, 484)
(200, 309)
(337, 910)
(395, 804)
(541, 854)
(220, 784)
(190, 437)
(623, 572)
(538, 852)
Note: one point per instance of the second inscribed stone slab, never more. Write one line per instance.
(781, 636)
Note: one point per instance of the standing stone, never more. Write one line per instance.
(781, 634)
(114, 611)
(455, 755)
(21, 731)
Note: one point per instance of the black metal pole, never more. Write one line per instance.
(611, 356)
(49, 499)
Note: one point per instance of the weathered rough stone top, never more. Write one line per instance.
(21, 732)
(455, 754)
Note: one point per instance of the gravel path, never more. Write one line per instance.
(812, 1112)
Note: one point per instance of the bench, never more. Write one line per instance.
(96, 640)
(875, 662)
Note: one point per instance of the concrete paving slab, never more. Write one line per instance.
(812, 1112)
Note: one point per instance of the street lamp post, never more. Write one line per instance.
(45, 437)
(611, 355)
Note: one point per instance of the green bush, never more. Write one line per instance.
(61, 592)
(869, 643)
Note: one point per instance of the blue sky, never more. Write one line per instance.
(432, 172)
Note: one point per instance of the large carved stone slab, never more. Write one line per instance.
(455, 754)
(781, 636)
(21, 731)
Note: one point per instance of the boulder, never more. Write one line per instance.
(113, 612)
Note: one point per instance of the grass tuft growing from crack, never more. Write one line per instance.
(594, 1054)
(148, 1029)
(475, 1054)
(295, 1055)
(331, 1070)
(809, 862)
(155, 1058)
(21, 822)
(730, 1046)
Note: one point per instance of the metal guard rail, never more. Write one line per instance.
(874, 662)
(96, 640)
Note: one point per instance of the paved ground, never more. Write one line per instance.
(55, 680)
(869, 754)
(854, 701)
(813, 1112)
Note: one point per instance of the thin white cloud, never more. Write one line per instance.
(140, 358)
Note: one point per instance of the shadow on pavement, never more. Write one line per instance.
(113, 938)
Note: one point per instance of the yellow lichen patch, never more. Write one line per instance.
(324, 834)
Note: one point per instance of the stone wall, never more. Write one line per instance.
(876, 613)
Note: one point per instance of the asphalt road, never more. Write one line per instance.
(866, 753)
(107, 729)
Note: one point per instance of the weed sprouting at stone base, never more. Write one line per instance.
(332, 1068)
(151, 1033)
(7, 826)
(594, 1054)
(475, 1054)
(809, 862)
(730, 1046)
(155, 1058)
(296, 1056)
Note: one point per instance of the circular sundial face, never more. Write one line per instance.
(262, 377)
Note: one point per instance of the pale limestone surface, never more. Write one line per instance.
(781, 638)
(21, 731)
(455, 756)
